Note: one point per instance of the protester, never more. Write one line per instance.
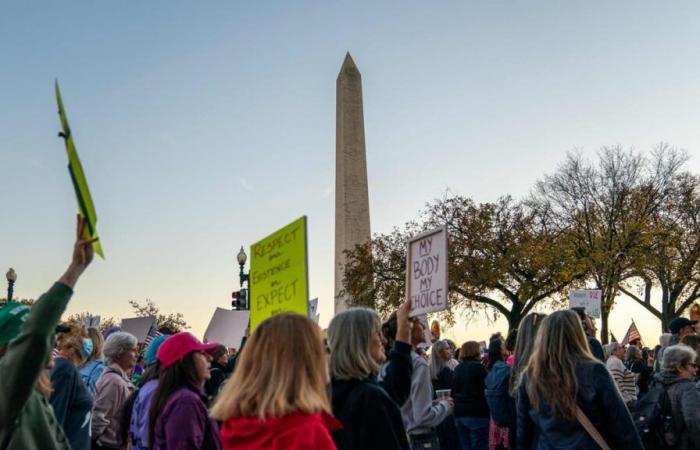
(624, 377)
(470, 409)
(441, 376)
(590, 329)
(420, 414)
(71, 401)
(693, 341)
(501, 404)
(453, 362)
(367, 408)
(440, 373)
(218, 372)
(27, 420)
(140, 410)
(279, 402)
(640, 368)
(562, 384)
(678, 372)
(178, 416)
(524, 345)
(113, 391)
(679, 328)
(93, 367)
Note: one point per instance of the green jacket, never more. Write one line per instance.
(27, 420)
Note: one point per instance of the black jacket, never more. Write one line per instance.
(369, 409)
(468, 389)
(218, 374)
(596, 348)
(444, 379)
(598, 398)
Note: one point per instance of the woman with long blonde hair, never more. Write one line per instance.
(277, 398)
(564, 387)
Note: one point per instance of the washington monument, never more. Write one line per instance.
(351, 196)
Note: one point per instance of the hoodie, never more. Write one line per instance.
(294, 431)
(685, 404)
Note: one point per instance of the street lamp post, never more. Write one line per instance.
(11, 276)
(241, 296)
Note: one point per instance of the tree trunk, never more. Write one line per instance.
(667, 312)
(515, 316)
(604, 314)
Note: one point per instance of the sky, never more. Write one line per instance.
(204, 126)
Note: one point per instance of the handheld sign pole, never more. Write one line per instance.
(77, 176)
(426, 271)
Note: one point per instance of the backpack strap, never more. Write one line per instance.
(590, 429)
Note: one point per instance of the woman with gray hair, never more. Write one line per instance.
(674, 391)
(112, 392)
(367, 408)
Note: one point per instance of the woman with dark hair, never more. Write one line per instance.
(218, 372)
(567, 398)
(178, 416)
(471, 411)
(140, 410)
(501, 404)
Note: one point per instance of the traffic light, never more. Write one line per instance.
(236, 303)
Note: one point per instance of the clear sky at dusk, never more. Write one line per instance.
(203, 126)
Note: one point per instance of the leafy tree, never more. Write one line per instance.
(671, 260)
(607, 207)
(503, 257)
(171, 323)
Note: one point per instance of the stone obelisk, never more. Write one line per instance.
(351, 194)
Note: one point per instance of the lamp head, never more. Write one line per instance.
(242, 257)
(11, 275)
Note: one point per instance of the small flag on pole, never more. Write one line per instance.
(152, 334)
(632, 335)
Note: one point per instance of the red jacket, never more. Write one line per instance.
(298, 430)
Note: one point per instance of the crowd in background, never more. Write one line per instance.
(365, 384)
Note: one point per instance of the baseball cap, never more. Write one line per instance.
(12, 316)
(180, 345)
(680, 322)
(149, 356)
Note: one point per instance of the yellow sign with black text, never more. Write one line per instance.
(279, 279)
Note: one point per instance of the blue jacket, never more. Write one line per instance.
(598, 398)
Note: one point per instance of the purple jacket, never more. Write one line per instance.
(184, 424)
(138, 428)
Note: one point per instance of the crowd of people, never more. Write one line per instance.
(366, 384)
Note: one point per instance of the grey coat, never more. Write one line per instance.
(685, 404)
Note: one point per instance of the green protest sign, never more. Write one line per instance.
(77, 176)
(279, 280)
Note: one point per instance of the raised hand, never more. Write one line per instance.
(82, 255)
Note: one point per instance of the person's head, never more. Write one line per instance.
(527, 330)
(695, 311)
(355, 341)
(680, 359)
(150, 354)
(692, 341)
(633, 353)
(292, 376)
(74, 345)
(417, 333)
(120, 349)
(497, 350)
(616, 349)
(176, 353)
(559, 347)
(389, 329)
(680, 326)
(470, 350)
(220, 355)
(439, 357)
(12, 316)
(98, 344)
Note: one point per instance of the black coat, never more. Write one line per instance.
(598, 398)
(468, 389)
(369, 409)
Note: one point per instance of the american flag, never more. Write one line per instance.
(152, 334)
(632, 335)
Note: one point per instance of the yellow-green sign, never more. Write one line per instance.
(279, 279)
(77, 176)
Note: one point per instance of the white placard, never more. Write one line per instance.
(227, 327)
(138, 326)
(588, 299)
(426, 272)
(313, 307)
